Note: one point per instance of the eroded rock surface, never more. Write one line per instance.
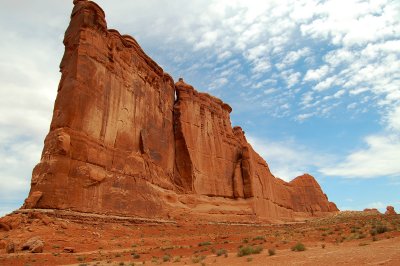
(390, 210)
(120, 143)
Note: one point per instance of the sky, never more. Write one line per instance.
(314, 84)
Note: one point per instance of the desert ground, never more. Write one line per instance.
(347, 238)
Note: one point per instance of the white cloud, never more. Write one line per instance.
(307, 98)
(287, 159)
(261, 65)
(292, 57)
(218, 83)
(303, 117)
(325, 84)
(316, 74)
(351, 23)
(207, 40)
(269, 91)
(393, 119)
(380, 157)
(339, 93)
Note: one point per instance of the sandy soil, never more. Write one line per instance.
(349, 238)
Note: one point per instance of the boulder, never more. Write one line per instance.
(34, 245)
(4, 227)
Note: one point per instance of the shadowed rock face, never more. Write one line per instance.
(120, 143)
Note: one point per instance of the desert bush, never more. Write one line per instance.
(361, 236)
(262, 238)
(299, 247)
(177, 259)
(271, 252)
(135, 255)
(206, 243)
(166, 258)
(221, 252)
(248, 250)
(198, 259)
(380, 229)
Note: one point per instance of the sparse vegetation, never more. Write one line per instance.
(206, 243)
(299, 247)
(248, 250)
(135, 255)
(380, 229)
(177, 259)
(154, 259)
(221, 252)
(166, 257)
(262, 238)
(198, 259)
(271, 252)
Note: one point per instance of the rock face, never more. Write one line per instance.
(120, 143)
(390, 210)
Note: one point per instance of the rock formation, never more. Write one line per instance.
(390, 210)
(120, 143)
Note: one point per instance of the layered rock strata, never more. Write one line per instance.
(120, 143)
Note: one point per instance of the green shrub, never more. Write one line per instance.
(299, 247)
(380, 229)
(135, 255)
(221, 252)
(206, 243)
(248, 250)
(166, 257)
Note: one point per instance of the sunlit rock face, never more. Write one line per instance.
(126, 140)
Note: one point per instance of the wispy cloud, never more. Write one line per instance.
(287, 159)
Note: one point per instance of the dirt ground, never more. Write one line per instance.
(348, 238)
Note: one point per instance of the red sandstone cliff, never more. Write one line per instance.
(120, 143)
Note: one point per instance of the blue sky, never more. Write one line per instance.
(314, 84)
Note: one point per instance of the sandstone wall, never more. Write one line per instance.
(120, 142)
(112, 130)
